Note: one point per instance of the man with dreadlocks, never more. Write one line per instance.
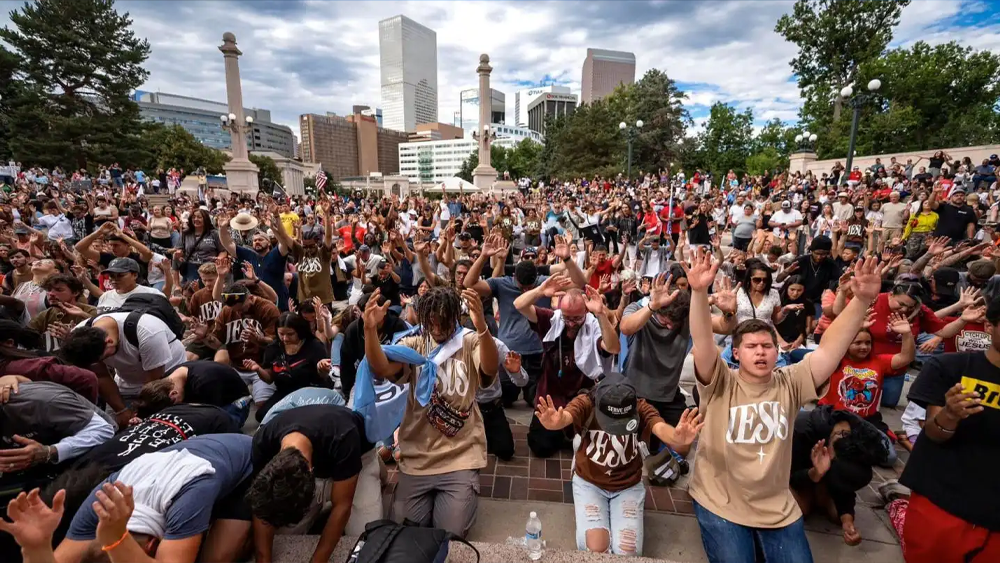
(440, 461)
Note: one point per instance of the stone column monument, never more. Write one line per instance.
(484, 175)
(241, 174)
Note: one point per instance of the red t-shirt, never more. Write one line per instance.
(855, 176)
(652, 222)
(857, 386)
(884, 341)
(345, 233)
(972, 338)
(678, 216)
(605, 268)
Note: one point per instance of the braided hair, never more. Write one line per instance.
(441, 304)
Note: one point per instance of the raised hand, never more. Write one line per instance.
(866, 282)
(938, 245)
(899, 324)
(561, 249)
(512, 363)
(661, 296)
(475, 307)
(725, 295)
(968, 296)
(595, 301)
(556, 283)
(32, 523)
(870, 317)
(114, 506)
(689, 426)
(974, 314)
(962, 405)
(248, 271)
(821, 457)
(702, 271)
(548, 414)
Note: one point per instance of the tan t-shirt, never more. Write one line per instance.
(613, 463)
(448, 434)
(744, 455)
(314, 274)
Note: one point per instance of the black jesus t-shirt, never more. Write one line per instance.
(165, 428)
(337, 435)
(211, 383)
(959, 475)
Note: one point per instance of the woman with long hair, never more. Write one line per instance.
(921, 225)
(201, 244)
(798, 323)
(160, 228)
(291, 362)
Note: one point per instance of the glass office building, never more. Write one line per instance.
(408, 67)
(201, 119)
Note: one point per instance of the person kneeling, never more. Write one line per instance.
(608, 492)
(309, 458)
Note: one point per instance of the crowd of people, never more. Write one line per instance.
(768, 319)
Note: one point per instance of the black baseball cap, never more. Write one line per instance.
(122, 266)
(616, 406)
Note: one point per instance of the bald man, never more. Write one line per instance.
(578, 341)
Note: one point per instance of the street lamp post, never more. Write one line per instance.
(630, 134)
(805, 141)
(229, 123)
(856, 102)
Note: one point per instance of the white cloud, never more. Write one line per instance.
(319, 56)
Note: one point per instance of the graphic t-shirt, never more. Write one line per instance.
(203, 306)
(448, 434)
(857, 386)
(613, 463)
(959, 475)
(337, 435)
(972, 338)
(743, 462)
(170, 426)
(314, 274)
(295, 371)
(54, 315)
(257, 313)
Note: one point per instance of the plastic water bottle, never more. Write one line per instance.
(533, 537)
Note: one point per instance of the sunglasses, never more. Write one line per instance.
(758, 280)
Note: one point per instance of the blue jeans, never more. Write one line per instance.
(922, 338)
(727, 542)
(620, 513)
(891, 460)
(795, 356)
(892, 390)
(239, 410)
(303, 397)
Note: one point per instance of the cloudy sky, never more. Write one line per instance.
(314, 56)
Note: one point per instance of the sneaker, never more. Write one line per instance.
(891, 490)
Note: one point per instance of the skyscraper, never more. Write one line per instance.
(408, 61)
(603, 71)
(530, 98)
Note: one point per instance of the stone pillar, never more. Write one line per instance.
(484, 175)
(800, 161)
(241, 174)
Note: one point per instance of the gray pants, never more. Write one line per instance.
(447, 501)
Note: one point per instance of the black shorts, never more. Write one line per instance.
(235, 506)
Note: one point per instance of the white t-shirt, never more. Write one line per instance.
(155, 274)
(445, 213)
(785, 218)
(58, 225)
(157, 347)
(112, 299)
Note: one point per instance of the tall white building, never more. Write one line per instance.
(435, 161)
(408, 64)
(523, 99)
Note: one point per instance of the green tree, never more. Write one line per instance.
(77, 62)
(8, 93)
(766, 160)
(835, 38)
(656, 100)
(173, 146)
(727, 140)
(267, 169)
(522, 159)
(470, 164)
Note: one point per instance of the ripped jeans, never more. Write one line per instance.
(619, 513)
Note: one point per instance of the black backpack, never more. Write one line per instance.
(385, 541)
(147, 304)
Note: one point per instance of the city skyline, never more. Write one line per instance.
(323, 57)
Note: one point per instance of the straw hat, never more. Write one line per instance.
(243, 222)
